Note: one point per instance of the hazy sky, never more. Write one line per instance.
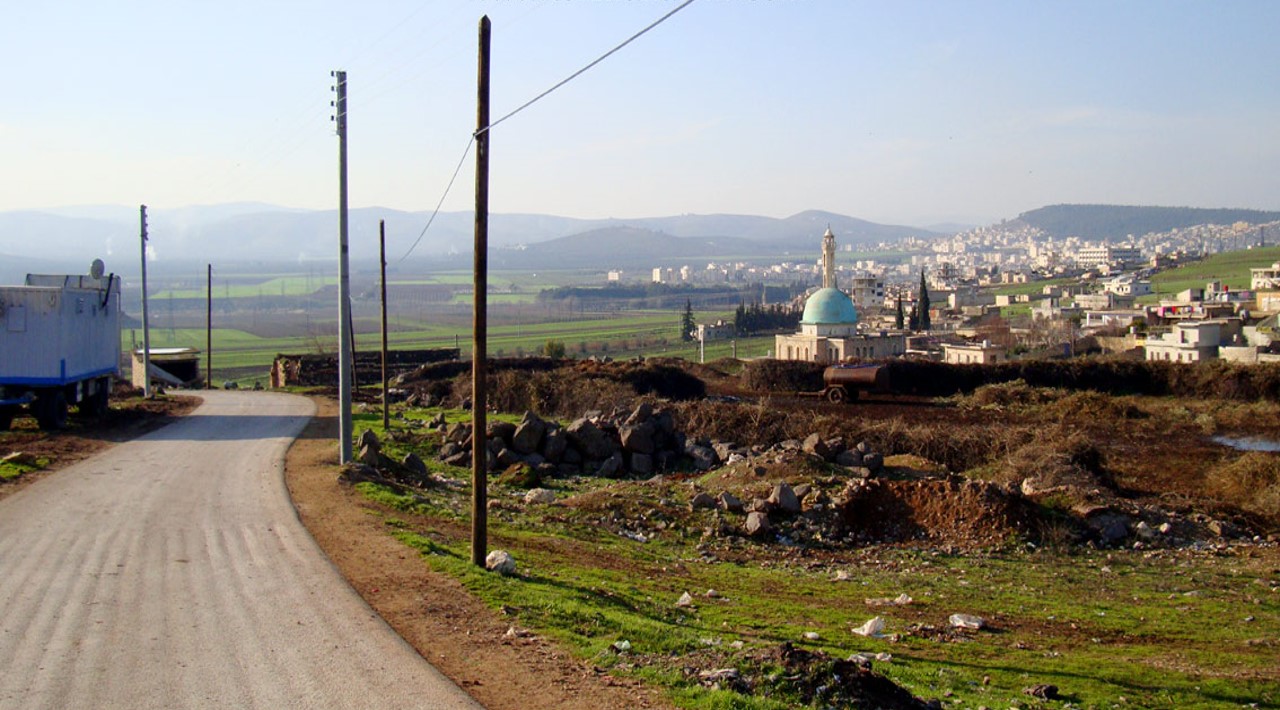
(899, 112)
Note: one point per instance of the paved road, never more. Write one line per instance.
(172, 572)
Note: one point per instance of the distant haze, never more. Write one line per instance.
(915, 112)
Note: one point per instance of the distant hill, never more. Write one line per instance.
(1117, 222)
(623, 248)
(250, 232)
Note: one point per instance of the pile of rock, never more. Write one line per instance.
(642, 443)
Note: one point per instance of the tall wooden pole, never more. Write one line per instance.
(345, 356)
(146, 322)
(480, 329)
(382, 254)
(208, 329)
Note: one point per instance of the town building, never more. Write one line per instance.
(829, 325)
(1266, 278)
(1193, 341)
(983, 353)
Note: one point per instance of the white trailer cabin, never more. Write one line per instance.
(59, 345)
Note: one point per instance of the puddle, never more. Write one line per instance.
(1248, 443)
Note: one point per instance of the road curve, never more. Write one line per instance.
(172, 572)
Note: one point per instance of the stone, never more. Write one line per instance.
(590, 440)
(1044, 691)
(730, 502)
(704, 458)
(1111, 527)
(534, 459)
(642, 413)
(724, 449)
(967, 621)
(459, 433)
(520, 475)
(462, 458)
(802, 490)
(873, 461)
(757, 524)
(540, 496)
(863, 447)
(641, 464)
(611, 467)
(369, 455)
(815, 446)
(415, 465)
(369, 440)
(1144, 531)
(849, 458)
(500, 561)
(784, 499)
(685, 601)
(554, 443)
(637, 438)
(527, 438)
(501, 430)
(506, 457)
(571, 456)
(449, 449)
(702, 501)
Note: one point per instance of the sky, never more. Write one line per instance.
(905, 112)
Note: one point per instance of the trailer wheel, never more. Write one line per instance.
(6, 417)
(837, 395)
(96, 404)
(50, 409)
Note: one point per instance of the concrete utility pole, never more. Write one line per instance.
(208, 329)
(146, 323)
(345, 358)
(480, 325)
(382, 252)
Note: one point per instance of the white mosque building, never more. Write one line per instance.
(829, 326)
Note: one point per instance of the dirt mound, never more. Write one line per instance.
(953, 511)
(813, 678)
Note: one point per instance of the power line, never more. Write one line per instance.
(463, 159)
(583, 70)
(529, 103)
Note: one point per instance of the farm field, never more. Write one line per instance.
(244, 356)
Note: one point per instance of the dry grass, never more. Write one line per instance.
(1251, 482)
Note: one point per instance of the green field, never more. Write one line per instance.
(245, 357)
(1231, 268)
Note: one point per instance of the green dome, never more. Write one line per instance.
(829, 306)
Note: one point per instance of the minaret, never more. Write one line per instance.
(828, 259)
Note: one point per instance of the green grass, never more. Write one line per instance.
(1163, 630)
(12, 470)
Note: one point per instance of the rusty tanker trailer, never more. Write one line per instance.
(843, 383)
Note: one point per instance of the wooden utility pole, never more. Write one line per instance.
(345, 356)
(382, 255)
(480, 325)
(208, 329)
(146, 323)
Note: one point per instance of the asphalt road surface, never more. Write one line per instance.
(172, 572)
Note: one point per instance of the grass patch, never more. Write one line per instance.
(1163, 629)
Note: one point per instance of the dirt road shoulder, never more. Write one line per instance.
(456, 633)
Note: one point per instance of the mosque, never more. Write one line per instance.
(829, 326)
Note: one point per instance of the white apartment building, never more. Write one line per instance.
(1266, 278)
(1092, 256)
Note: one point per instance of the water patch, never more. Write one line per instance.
(1248, 443)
